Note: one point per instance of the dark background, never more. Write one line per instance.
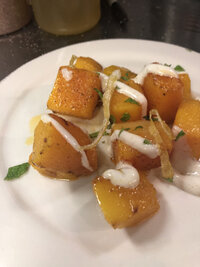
(170, 21)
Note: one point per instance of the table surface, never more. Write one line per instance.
(170, 21)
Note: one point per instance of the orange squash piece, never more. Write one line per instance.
(188, 119)
(184, 77)
(123, 152)
(164, 94)
(88, 63)
(118, 104)
(53, 156)
(126, 74)
(73, 93)
(124, 207)
(119, 107)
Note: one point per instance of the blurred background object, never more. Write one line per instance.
(14, 14)
(169, 21)
(65, 17)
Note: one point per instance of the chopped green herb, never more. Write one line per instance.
(125, 78)
(148, 119)
(168, 179)
(125, 117)
(179, 68)
(123, 129)
(112, 121)
(94, 135)
(181, 133)
(132, 101)
(138, 127)
(117, 87)
(167, 65)
(106, 133)
(154, 119)
(147, 142)
(98, 92)
(17, 171)
(98, 73)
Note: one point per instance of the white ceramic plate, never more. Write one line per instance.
(44, 222)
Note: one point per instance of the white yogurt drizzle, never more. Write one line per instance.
(158, 69)
(69, 138)
(186, 168)
(67, 74)
(126, 90)
(136, 142)
(124, 175)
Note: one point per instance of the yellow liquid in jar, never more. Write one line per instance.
(65, 17)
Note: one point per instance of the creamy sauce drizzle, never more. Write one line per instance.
(126, 90)
(124, 175)
(158, 69)
(69, 138)
(186, 168)
(136, 142)
(67, 74)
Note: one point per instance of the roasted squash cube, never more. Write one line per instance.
(126, 74)
(88, 63)
(188, 119)
(124, 207)
(53, 156)
(73, 93)
(184, 77)
(164, 94)
(120, 103)
(125, 153)
(120, 106)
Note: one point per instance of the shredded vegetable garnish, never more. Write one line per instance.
(155, 115)
(106, 107)
(72, 60)
(167, 170)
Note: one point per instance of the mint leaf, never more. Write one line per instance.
(106, 133)
(94, 135)
(154, 119)
(112, 121)
(125, 117)
(181, 133)
(148, 119)
(123, 129)
(167, 65)
(98, 92)
(138, 127)
(125, 78)
(168, 179)
(179, 68)
(132, 101)
(147, 142)
(17, 171)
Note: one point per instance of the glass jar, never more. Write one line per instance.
(65, 17)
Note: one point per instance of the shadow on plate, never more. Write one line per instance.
(148, 231)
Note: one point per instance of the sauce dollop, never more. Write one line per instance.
(124, 175)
